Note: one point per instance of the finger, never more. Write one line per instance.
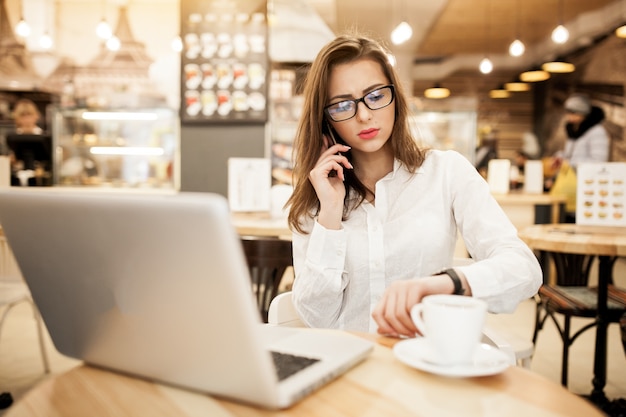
(391, 315)
(411, 297)
(407, 294)
(332, 163)
(383, 326)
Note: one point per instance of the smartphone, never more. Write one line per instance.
(330, 133)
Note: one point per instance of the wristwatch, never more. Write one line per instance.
(458, 287)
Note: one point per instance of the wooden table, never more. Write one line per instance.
(522, 209)
(380, 386)
(605, 242)
(261, 224)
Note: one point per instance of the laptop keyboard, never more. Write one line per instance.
(287, 364)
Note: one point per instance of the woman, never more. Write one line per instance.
(26, 116)
(587, 139)
(375, 217)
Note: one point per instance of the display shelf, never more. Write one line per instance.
(138, 148)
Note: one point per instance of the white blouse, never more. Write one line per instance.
(340, 275)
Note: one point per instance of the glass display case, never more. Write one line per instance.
(138, 148)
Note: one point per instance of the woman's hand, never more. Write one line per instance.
(327, 178)
(393, 312)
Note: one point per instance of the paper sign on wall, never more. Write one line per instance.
(601, 194)
(249, 183)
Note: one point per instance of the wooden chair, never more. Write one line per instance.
(14, 291)
(622, 325)
(13, 294)
(572, 297)
(268, 259)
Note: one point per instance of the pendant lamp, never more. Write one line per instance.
(517, 86)
(558, 67)
(499, 92)
(534, 75)
(436, 92)
(560, 34)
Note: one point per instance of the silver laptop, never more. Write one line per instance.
(157, 286)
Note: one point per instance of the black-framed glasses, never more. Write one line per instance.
(374, 100)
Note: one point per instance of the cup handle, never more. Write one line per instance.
(418, 320)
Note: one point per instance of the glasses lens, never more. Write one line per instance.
(380, 98)
(342, 110)
(374, 100)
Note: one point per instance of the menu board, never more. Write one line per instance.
(224, 61)
(601, 194)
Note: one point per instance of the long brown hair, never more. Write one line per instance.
(309, 141)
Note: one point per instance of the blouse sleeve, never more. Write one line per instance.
(319, 259)
(506, 271)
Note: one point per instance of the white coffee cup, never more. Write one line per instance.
(452, 326)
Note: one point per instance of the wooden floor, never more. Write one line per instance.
(21, 367)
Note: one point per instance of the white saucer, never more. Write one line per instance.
(488, 360)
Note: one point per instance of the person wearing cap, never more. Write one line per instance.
(587, 139)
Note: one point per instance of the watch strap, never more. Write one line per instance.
(458, 287)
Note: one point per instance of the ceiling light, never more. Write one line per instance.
(436, 92)
(560, 34)
(95, 115)
(126, 150)
(401, 33)
(177, 44)
(620, 32)
(558, 67)
(499, 92)
(391, 58)
(517, 86)
(517, 48)
(534, 75)
(45, 41)
(113, 43)
(103, 30)
(22, 28)
(485, 66)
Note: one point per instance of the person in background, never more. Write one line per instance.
(587, 139)
(517, 169)
(26, 115)
(375, 217)
(530, 146)
(487, 151)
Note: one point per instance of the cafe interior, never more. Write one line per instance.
(169, 96)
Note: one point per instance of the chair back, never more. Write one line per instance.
(14, 291)
(622, 325)
(572, 270)
(268, 260)
(282, 312)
